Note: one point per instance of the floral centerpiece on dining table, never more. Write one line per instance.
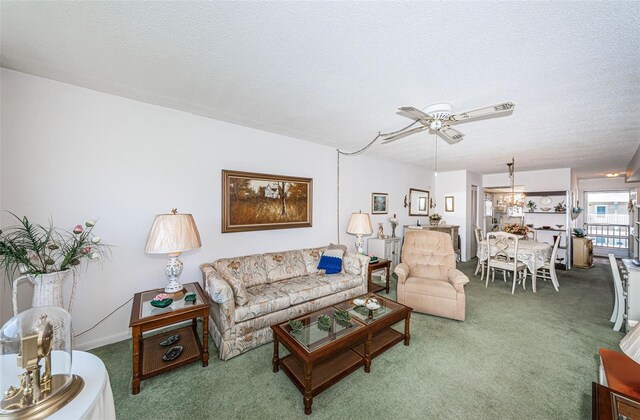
(515, 229)
(46, 255)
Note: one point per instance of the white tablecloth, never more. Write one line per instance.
(95, 401)
(532, 253)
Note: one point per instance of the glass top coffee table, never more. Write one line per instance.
(327, 345)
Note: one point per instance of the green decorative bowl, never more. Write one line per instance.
(191, 297)
(324, 322)
(342, 316)
(162, 303)
(296, 326)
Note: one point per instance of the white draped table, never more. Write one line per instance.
(532, 253)
(95, 401)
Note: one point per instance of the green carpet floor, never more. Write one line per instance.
(522, 356)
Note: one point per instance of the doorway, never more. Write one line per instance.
(607, 222)
(474, 221)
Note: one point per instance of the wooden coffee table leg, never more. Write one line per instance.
(407, 336)
(367, 354)
(388, 278)
(308, 396)
(135, 383)
(205, 338)
(276, 355)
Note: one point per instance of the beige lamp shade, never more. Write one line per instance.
(172, 233)
(630, 344)
(359, 224)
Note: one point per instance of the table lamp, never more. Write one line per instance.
(359, 224)
(630, 344)
(173, 234)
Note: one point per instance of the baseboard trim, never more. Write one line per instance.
(102, 341)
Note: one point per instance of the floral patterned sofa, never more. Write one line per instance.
(254, 292)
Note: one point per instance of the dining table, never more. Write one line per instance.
(531, 253)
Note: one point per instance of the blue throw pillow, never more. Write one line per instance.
(331, 261)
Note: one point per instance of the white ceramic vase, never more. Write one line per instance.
(47, 289)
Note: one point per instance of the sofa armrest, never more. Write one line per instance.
(458, 279)
(223, 304)
(363, 261)
(402, 271)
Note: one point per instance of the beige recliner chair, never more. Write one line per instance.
(428, 280)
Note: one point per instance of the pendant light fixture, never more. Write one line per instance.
(515, 200)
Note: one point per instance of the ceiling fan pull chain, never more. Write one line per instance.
(432, 203)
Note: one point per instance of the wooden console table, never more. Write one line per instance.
(609, 404)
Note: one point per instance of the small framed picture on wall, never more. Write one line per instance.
(448, 203)
(379, 203)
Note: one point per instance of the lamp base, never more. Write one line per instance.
(359, 244)
(173, 271)
(174, 288)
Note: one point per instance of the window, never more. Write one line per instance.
(601, 209)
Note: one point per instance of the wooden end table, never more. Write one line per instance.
(381, 264)
(147, 351)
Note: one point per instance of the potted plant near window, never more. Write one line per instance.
(434, 219)
(45, 256)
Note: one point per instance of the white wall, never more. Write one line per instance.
(545, 180)
(5, 290)
(454, 183)
(360, 176)
(72, 154)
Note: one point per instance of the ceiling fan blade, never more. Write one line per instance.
(483, 112)
(450, 134)
(404, 134)
(412, 113)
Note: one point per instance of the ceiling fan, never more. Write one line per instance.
(438, 117)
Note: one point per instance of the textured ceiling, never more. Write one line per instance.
(335, 72)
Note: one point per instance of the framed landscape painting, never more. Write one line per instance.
(252, 201)
(379, 203)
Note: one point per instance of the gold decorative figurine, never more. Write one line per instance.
(40, 393)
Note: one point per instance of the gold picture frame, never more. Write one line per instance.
(254, 201)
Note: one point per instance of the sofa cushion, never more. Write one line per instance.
(284, 265)
(351, 264)
(250, 270)
(431, 287)
(306, 288)
(242, 272)
(311, 258)
(261, 300)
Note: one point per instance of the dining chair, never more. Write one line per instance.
(498, 244)
(531, 234)
(481, 264)
(548, 270)
(619, 303)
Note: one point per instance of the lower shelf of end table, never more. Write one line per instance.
(152, 351)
